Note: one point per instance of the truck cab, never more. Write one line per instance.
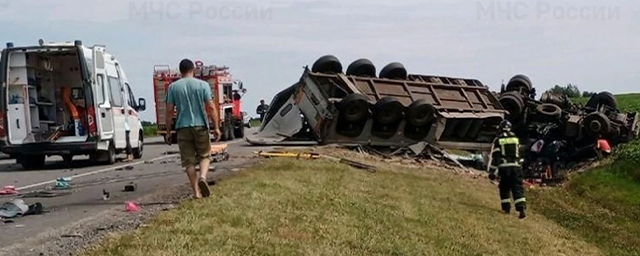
(66, 99)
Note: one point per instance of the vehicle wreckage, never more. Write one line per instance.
(397, 109)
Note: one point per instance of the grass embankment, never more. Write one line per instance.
(294, 207)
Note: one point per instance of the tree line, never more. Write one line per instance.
(570, 90)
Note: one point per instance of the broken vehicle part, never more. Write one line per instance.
(394, 109)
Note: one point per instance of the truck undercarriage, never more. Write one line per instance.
(396, 109)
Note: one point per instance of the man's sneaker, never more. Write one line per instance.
(204, 187)
(522, 215)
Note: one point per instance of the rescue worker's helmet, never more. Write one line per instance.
(505, 126)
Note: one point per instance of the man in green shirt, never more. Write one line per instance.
(194, 105)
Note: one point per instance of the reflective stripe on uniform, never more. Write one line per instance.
(509, 165)
(504, 201)
(520, 200)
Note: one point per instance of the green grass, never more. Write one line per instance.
(626, 102)
(313, 207)
(293, 207)
(150, 131)
(255, 122)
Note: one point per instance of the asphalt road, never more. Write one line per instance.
(155, 171)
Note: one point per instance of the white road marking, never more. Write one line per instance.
(109, 169)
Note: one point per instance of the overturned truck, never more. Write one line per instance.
(393, 109)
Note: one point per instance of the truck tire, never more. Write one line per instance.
(32, 162)
(388, 110)
(231, 129)
(518, 82)
(394, 70)
(239, 129)
(602, 98)
(513, 103)
(137, 152)
(354, 108)
(597, 124)
(327, 64)
(361, 67)
(420, 113)
(549, 110)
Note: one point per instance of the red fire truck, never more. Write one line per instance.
(227, 93)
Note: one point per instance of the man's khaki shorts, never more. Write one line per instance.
(194, 144)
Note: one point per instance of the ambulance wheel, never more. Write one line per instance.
(31, 162)
(67, 160)
(137, 152)
(110, 154)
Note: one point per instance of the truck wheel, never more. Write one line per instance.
(597, 124)
(361, 67)
(420, 113)
(393, 70)
(137, 152)
(327, 64)
(388, 110)
(239, 132)
(354, 108)
(513, 103)
(32, 162)
(519, 81)
(602, 98)
(231, 129)
(549, 110)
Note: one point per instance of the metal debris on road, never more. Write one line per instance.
(131, 187)
(105, 195)
(308, 155)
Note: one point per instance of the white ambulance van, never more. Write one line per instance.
(66, 99)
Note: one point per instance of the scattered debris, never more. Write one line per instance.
(62, 183)
(45, 194)
(131, 207)
(105, 195)
(131, 187)
(8, 190)
(307, 155)
(72, 236)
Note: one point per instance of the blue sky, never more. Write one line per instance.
(594, 44)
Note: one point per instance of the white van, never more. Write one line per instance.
(65, 99)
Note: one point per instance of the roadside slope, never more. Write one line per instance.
(294, 207)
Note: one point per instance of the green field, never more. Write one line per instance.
(626, 102)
